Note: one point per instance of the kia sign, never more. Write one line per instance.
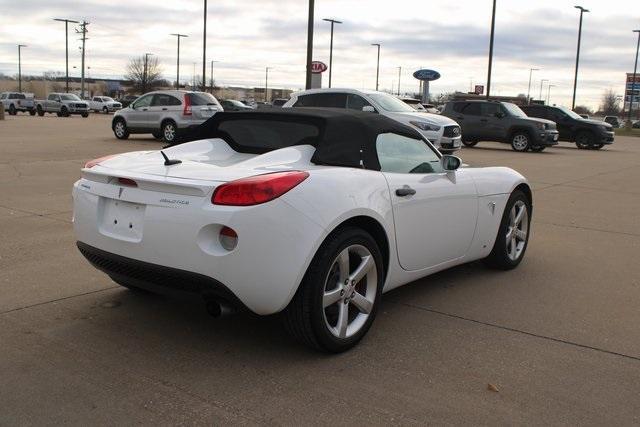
(479, 89)
(318, 67)
(426, 75)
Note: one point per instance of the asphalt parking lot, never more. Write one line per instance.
(558, 338)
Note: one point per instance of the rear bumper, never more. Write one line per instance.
(178, 235)
(157, 278)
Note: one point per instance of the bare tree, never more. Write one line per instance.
(610, 103)
(582, 109)
(144, 79)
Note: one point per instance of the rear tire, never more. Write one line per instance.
(12, 110)
(328, 312)
(520, 141)
(64, 112)
(597, 146)
(169, 131)
(538, 149)
(513, 234)
(469, 144)
(105, 110)
(85, 115)
(120, 129)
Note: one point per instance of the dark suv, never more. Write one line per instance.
(502, 122)
(587, 134)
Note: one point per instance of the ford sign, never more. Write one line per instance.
(426, 75)
(318, 67)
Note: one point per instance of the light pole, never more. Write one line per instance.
(266, 82)
(20, 46)
(377, 66)
(66, 47)
(531, 70)
(178, 36)
(493, 28)
(633, 81)
(399, 75)
(549, 92)
(575, 79)
(211, 80)
(542, 84)
(333, 21)
(144, 77)
(204, 49)
(309, 45)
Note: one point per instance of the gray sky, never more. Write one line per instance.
(247, 35)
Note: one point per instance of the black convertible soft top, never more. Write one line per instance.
(341, 137)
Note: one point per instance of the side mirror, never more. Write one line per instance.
(450, 163)
(368, 109)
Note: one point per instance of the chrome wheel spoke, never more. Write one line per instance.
(332, 296)
(520, 214)
(343, 320)
(362, 270)
(361, 303)
(509, 234)
(512, 249)
(343, 264)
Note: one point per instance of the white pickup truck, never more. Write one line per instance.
(105, 104)
(16, 101)
(63, 104)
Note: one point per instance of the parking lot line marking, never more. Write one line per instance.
(57, 299)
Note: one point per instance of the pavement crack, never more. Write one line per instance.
(519, 331)
(578, 227)
(56, 300)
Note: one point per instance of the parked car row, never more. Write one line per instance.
(15, 102)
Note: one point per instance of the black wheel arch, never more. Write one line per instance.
(524, 187)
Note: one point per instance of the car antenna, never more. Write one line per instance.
(169, 162)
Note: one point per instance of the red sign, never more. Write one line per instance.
(479, 89)
(318, 67)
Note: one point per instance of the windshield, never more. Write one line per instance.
(514, 110)
(570, 113)
(391, 103)
(70, 97)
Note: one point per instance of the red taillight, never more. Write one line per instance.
(257, 189)
(187, 105)
(127, 181)
(92, 163)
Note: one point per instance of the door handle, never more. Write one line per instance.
(144, 109)
(164, 109)
(405, 191)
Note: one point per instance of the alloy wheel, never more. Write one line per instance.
(169, 132)
(350, 291)
(119, 129)
(520, 142)
(517, 230)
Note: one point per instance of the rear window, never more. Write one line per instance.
(472, 108)
(201, 98)
(18, 96)
(322, 100)
(261, 136)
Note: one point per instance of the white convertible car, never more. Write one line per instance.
(312, 213)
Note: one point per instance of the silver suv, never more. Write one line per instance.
(165, 114)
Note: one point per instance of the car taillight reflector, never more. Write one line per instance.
(257, 189)
(127, 181)
(187, 105)
(92, 163)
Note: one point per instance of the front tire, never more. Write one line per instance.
(85, 115)
(32, 112)
(40, 111)
(538, 149)
(338, 298)
(584, 140)
(513, 233)
(64, 112)
(520, 141)
(12, 110)
(468, 143)
(120, 129)
(105, 110)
